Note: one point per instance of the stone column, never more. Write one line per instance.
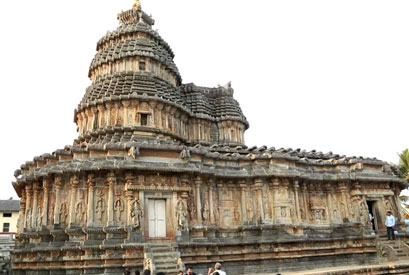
(211, 189)
(36, 189)
(277, 210)
(111, 185)
(126, 104)
(297, 202)
(22, 214)
(243, 187)
(90, 209)
(258, 184)
(29, 208)
(101, 116)
(128, 193)
(329, 202)
(198, 182)
(58, 186)
(342, 188)
(73, 199)
(46, 188)
(304, 199)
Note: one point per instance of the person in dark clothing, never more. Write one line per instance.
(146, 272)
(189, 271)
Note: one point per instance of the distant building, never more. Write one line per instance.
(9, 210)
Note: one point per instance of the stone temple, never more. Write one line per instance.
(160, 177)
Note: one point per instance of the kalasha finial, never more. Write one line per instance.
(137, 5)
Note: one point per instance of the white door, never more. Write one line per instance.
(157, 218)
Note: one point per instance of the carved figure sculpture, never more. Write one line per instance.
(205, 211)
(284, 212)
(191, 206)
(28, 219)
(100, 209)
(185, 154)
(250, 210)
(181, 215)
(63, 213)
(136, 213)
(118, 208)
(236, 212)
(80, 213)
(319, 214)
(216, 211)
(336, 214)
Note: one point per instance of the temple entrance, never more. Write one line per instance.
(374, 214)
(157, 218)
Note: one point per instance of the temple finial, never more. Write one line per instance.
(137, 5)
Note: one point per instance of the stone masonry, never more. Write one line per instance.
(161, 167)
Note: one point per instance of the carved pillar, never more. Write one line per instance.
(28, 206)
(128, 193)
(259, 196)
(211, 189)
(198, 182)
(101, 116)
(73, 192)
(36, 189)
(90, 209)
(304, 199)
(126, 104)
(58, 186)
(46, 188)
(297, 202)
(22, 214)
(111, 185)
(243, 187)
(329, 202)
(277, 210)
(344, 202)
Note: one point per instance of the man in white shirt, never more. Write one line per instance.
(390, 223)
(218, 269)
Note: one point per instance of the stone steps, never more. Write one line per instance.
(164, 257)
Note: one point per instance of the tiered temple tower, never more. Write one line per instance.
(161, 167)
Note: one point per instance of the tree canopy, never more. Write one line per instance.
(404, 164)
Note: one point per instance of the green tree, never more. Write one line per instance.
(404, 165)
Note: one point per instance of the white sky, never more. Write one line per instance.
(325, 75)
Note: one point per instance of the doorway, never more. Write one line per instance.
(157, 218)
(373, 214)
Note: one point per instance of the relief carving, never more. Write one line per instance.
(64, 214)
(181, 215)
(237, 212)
(136, 213)
(205, 211)
(100, 209)
(80, 213)
(185, 154)
(191, 208)
(250, 209)
(28, 219)
(118, 209)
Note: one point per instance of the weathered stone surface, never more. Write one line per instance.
(161, 167)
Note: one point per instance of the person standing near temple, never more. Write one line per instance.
(390, 223)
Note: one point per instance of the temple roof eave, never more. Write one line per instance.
(252, 169)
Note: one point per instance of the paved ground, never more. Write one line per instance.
(338, 270)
